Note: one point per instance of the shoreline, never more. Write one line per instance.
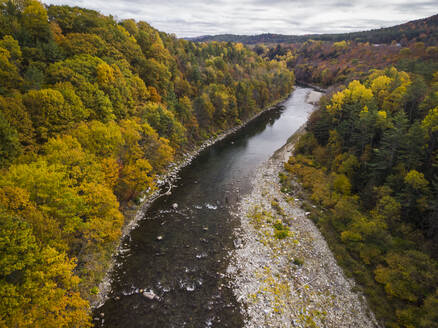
(294, 281)
(310, 85)
(133, 215)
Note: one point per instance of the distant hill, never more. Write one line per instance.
(425, 30)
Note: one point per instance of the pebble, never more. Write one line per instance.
(255, 288)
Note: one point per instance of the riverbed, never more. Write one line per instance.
(294, 281)
(171, 268)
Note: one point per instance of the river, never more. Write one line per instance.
(180, 253)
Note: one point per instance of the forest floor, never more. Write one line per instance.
(293, 280)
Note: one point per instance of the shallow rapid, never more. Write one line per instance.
(179, 250)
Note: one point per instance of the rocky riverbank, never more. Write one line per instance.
(165, 183)
(282, 271)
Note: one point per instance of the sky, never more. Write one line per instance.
(188, 18)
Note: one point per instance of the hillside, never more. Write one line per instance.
(94, 111)
(91, 111)
(368, 162)
(334, 63)
(425, 30)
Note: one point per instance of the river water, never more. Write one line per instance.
(180, 254)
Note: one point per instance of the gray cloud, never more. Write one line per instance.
(200, 17)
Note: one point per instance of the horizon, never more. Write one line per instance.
(253, 17)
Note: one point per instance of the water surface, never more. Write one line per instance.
(181, 253)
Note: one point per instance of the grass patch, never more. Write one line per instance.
(298, 261)
(281, 231)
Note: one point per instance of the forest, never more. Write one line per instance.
(92, 111)
(425, 30)
(368, 161)
(330, 64)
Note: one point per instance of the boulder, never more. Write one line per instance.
(150, 295)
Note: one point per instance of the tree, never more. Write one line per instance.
(37, 285)
(35, 21)
(134, 179)
(414, 196)
(164, 122)
(10, 146)
(104, 140)
(391, 147)
(9, 74)
(12, 45)
(84, 43)
(407, 275)
(430, 308)
(103, 218)
(204, 110)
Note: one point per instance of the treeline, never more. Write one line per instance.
(334, 63)
(91, 110)
(369, 162)
(421, 30)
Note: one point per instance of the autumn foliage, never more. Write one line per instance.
(369, 161)
(91, 111)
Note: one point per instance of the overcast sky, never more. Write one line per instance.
(188, 18)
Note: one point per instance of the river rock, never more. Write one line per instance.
(310, 288)
(150, 295)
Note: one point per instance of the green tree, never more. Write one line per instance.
(407, 275)
(10, 146)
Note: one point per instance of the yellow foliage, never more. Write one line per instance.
(380, 87)
(341, 184)
(104, 220)
(105, 74)
(239, 46)
(337, 101)
(45, 295)
(381, 114)
(416, 180)
(355, 93)
(35, 17)
(430, 122)
(340, 44)
(359, 93)
(350, 236)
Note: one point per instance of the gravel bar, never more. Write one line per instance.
(294, 281)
